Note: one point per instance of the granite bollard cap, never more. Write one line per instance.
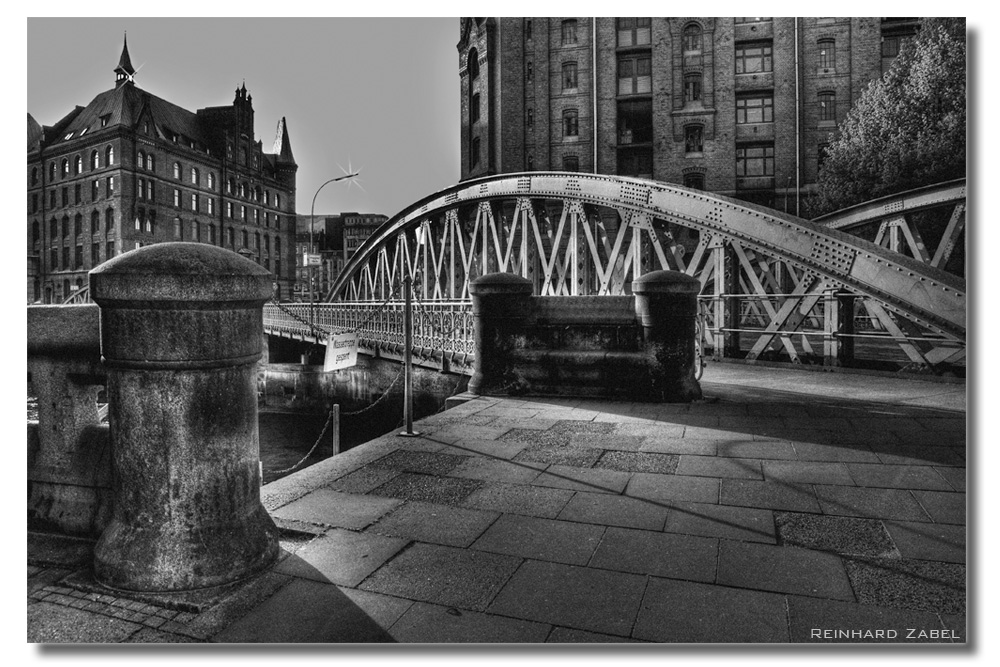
(666, 282)
(180, 272)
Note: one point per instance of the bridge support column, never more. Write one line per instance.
(501, 306)
(838, 328)
(666, 303)
(181, 329)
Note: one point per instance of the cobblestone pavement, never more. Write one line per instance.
(786, 507)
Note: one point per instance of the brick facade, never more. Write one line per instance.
(737, 106)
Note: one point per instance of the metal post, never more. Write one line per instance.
(335, 425)
(407, 358)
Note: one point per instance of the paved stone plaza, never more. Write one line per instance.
(786, 507)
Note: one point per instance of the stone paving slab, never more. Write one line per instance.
(943, 507)
(807, 472)
(667, 488)
(711, 466)
(909, 584)
(928, 541)
(435, 524)
(896, 504)
(342, 557)
(571, 596)
(661, 554)
(898, 476)
(783, 569)
(519, 499)
(427, 623)
(583, 479)
(305, 612)
(541, 539)
(733, 523)
(444, 575)
(769, 495)
(609, 510)
(682, 611)
(334, 508)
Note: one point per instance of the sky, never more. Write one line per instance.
(379, 95)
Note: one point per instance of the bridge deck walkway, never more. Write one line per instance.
(785, 504)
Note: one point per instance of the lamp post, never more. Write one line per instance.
(312, 221)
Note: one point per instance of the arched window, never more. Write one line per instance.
(140, 161)
(827, 106)
(473, 65)
(177, 170)
(95, 222)
(150, 163)
(230, 186)
(109, 156)
(827, 53)
(52, 171)
(95, 161)
(109, 220)
(571, 163)
(195, 177)
(77, 165)
(64, 170)
(211, 181)
(692, 37)
(34, 175)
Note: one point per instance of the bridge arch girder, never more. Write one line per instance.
(915, 290)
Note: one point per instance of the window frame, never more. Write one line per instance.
(742, 56)
(570, 75)
(766, 108)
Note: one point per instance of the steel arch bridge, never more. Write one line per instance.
(773, 285)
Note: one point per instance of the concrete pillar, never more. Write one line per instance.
(501, 308)
(666, 303)
(181, 332)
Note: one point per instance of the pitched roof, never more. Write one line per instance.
(283, 144)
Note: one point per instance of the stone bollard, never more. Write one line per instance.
(181, 328)
(666, 303)
(501, 307)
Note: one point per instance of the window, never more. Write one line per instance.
(77, 193)
(95, 253)
(694, 180)
(693, 139)
(211, 181)
(529, 71)
(757, 108)
(256, 241)
(65, 265)
(245, 236)
(635, 75)
(109, 220)
(77, 165)
(229, 209)
(691, 38)
(177, 198)
(473, 65)
(110, 186)
(150, 162)
(230, 240)
(211, 234)
(178, 229)
(635, 122)
(78, 224)
(195, 231)
(194, 176)
(95, 190)
(53, 229)
(52, 199)
(54, 259)
(141, 189)
(827, 53)
(571, 163)
(636, 162)
(36, 232)
(95, 222)
(277, 200)
(140, 161)
(569, 81)
(527, 29)
(177, 170)
(277, 222)
(194, 202)
(755, 160)
(65, 196)
(753, 57)
(109, 156)
(151, 221)
(569, 32)
(211, 205)
(34, 202)
(475, 151)
(634, 31)
(34, 175)
(827, 107)
(692, 87)
(150, 190)
(138, 219)
(243, 212)
(892, 44)
(52, 171)
(474, 109)
(109, 250)
(64, 171)
(78, 257)
(531, 118)
(230, 186)
(94, 160)
(571, 123)
(277, 245)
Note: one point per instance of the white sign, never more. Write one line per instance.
(313, 260)
(341, 352)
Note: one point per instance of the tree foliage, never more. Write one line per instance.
(907, 129)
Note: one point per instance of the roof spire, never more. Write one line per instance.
(124, 73)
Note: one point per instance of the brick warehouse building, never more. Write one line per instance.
(131, 169)
(740, 106)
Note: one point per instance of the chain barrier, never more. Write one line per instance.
(311, 450)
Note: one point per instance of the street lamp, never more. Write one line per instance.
(312, 221)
